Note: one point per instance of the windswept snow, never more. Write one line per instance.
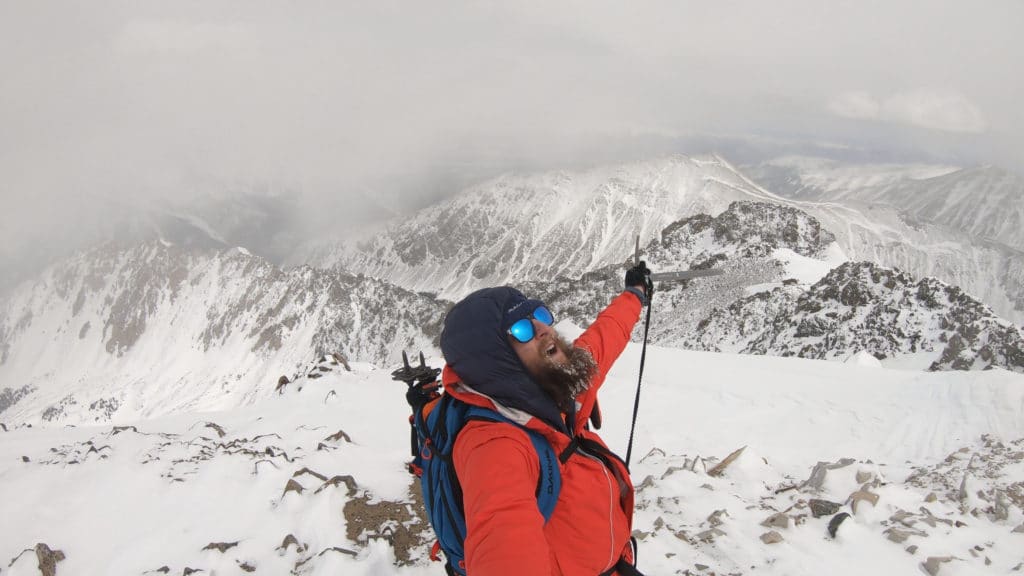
(135, 500)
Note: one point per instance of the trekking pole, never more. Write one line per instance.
(664, 276)
(643, 357)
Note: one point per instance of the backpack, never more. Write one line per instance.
(436, 422)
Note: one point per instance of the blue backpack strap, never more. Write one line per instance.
(549, 482)
(442, 492)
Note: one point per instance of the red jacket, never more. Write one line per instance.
(497, 466)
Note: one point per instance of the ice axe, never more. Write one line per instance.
(659, 277)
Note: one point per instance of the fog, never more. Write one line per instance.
(359, 110)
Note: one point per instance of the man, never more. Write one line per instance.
(502, 353)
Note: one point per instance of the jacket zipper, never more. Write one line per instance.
(611, 505)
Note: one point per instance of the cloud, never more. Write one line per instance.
(931, 109)
(856, 105)
(137, 102)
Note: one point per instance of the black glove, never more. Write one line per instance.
(639, 276)
(422, 392)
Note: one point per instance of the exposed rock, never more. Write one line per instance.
(339, 435)
(817, 477)
(290, 540)
(931, 497)
(721, 466)
(25, 459)
(821, 508)
(771, 537)
(862, 495)
(863, 307)
(48, 559)
(900, 535)
(864, 476)
(933, 563)
(293, 486)
(912, 549)
(339, 549)
(1019, 529)
(217, 428)
(348, 481)
(709, 535)
(341, 360)
(715, 519)
(835, 522)
(220, 546)
(404, 525)
(281, 383)
(305, 470)
(777, 520)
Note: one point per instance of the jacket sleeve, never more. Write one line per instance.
(498, 470)
(606, 338)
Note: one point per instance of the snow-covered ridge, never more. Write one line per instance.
(862, 307)
(986, 202)
(744, 240)
(157, 329)
(537, 227)
(787, 291)
(540, 226)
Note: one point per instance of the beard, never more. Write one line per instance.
(564, 381)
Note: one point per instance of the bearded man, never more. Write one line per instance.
(502, 353)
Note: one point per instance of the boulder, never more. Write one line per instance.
(835, 522)
(821, 508)
(933, 563)
(777, 520)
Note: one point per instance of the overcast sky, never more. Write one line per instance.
(111, 104)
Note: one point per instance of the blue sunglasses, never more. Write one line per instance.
(522, 330)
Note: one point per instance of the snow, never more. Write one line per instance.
(158, 496)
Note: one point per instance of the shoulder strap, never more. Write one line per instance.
(549, 482)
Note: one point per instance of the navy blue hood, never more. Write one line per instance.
(475, 345)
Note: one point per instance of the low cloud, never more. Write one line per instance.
(934, 110)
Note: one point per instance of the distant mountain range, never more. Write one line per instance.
(985, 202)
(157, 328)
(162, 326)
(542, 226)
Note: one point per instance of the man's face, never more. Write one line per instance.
(561, 370)
(544, 351)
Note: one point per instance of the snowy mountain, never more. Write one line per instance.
(158, 329)
(757, 245)
(862, 307)
(538, 227)
(742, 464)
(986, 202)
(786, 291)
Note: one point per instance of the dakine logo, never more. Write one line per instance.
(511, 310)
(551, 473)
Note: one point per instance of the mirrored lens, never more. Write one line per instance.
(522, 330)
(544, 315)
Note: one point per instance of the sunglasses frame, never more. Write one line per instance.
(528, 326)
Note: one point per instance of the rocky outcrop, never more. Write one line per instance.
(861, 306)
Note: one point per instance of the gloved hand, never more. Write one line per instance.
(639, 278)
(422, 392)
